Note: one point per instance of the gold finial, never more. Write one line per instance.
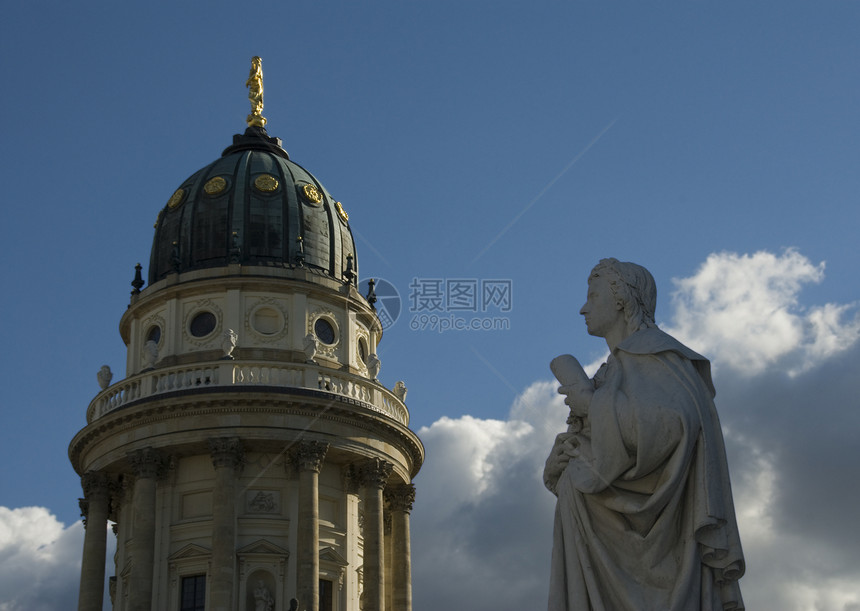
(255, 93)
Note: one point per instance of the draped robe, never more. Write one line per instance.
(645, 518)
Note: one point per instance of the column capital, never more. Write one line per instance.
(309, 455)
(400, 497)
(146, 462)
(374, 473)
(95, 484)
(226, 452)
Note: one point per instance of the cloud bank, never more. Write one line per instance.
(788, 389)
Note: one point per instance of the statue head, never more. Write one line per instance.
(633, 288)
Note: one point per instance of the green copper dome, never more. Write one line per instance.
(254, 207)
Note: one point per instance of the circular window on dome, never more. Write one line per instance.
(267, 320)
(154, 334)
(362, 350)
(324, 331)
(202, 324)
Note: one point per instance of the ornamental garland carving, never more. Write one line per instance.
(324, 349)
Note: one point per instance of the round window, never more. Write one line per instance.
(362, 350)
(267, 321)
(154, 334)
(202, 324)
(324, 331)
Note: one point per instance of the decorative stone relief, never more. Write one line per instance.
(323, 349)
(263, 501)
(264, 327)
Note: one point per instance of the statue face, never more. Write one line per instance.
(602, 312)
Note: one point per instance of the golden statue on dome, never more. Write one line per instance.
(255, 93)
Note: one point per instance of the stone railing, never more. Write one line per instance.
(224, 374)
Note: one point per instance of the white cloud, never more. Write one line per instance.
(743, 311)
(39, 560)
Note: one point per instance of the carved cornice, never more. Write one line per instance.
(309, 455)
(166, 408)
(146, 462)
(374, 473)
(400, 497)
(226, 452)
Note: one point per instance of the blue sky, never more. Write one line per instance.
(715, 143)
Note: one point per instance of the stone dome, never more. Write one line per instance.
(255, 207)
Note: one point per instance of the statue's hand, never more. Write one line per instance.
(578, 397)
(562, 451)
(574, 383)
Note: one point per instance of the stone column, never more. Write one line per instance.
(373, 475)
(227, 458)
(400, 499)
(95, 509)
(308, 457)
(147, 464)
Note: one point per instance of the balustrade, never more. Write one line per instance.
(227, 373)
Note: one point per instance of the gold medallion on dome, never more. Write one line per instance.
(341, 212)
(215, 185)
(266, 183)
(176, 199)
(312, 194)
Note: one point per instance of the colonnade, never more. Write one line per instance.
(102, 495)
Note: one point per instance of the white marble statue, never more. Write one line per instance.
(105, 375)
(228, 343)
(373, 366)
(399, 390)
(644, 517)
(310, 346)
(150, 354)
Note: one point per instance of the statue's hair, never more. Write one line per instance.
(633, 287)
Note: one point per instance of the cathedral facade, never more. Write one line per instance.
(250, 459)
